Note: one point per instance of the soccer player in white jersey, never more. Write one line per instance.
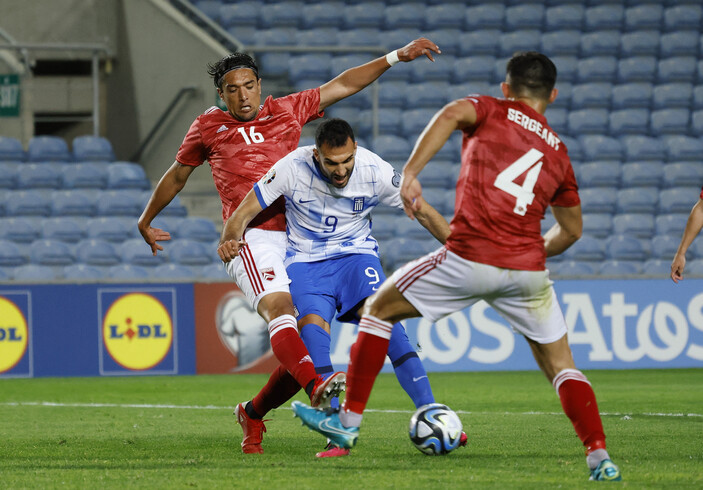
(332, 259)
(693, 228)
(513, 166)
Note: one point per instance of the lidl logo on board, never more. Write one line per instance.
(14, 335)
(137, 331)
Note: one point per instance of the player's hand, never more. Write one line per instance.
(417, 48)
(229, 249)
(154, 235)
(411, 194)
(677, 266)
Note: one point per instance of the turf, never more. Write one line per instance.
(111, 433)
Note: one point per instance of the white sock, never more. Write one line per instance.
(350, 419)
(594, 459)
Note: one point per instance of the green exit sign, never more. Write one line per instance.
(9, 95)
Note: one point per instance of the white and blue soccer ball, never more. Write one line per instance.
(435, 429)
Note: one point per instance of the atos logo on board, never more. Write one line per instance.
(13, 335)
(137, 331)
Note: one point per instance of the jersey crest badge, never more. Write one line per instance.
(269, 274)
(270, 175)
(396, 179)
(358, 204)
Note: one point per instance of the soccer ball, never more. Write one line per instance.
(435, 429)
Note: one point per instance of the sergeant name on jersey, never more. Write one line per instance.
(535, 126)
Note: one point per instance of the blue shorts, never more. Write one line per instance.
(339, 285)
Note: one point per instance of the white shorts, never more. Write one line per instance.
(441, 283)
(259, 269)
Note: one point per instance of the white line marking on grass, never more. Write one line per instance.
(215, 407)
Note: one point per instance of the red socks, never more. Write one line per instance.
(579, 403)
(290, 350)
(280, 388)
(366, 360)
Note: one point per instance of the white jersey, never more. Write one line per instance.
(325, 221)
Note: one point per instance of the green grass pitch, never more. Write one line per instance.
(179, 432)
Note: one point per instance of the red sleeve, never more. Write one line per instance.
(567, 195)
(701, 192)
(303, 105)
(192, 151)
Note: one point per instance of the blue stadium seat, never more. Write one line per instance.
(77, 202)
(431, 94)
(641, 174)
(584, 121)
(363, 14)
(400, 37)
(639, 147)
(558, 119)
(624, 247)
(344, 62)
(656, 267)
(678, 200)
(177, 272)
(485, 16)
(188, 252)
(683, 148)
(310, 66)
(242, 13)
(389, 121)
(636, 224)
(694, 268)
(11, 255)
(669, 121)
(591, 95)
(39, 176)
(11, 149)
(677, 69)
(632, 95)
(415, 120)
(27, 203)
(136, 252)
(629, 121)
(567, 68)
(273, 64)
(97, 252)
(448, 15)
(399, 16)
(282, 36)
(48, 149)
(34, 273)
(598, 147)
(329, 14)
(327, 36)
(687, 16)
(647, 16)
(562, 42)
(127, 272)
(599, 225)
(588, 248)
(481, 42)
(669, 95)
(682, 174)
(598, 200)
(9, 171)
(436, 197)
(637, 69)
(127, 202)
(423, 70)
(449, 39)
(90, 175)
(524, 16)
(600, 44)
(563, 17)
(522, 40)
(112, 229)
(92, 149)
(407, 228)
(282, 14)
(696, 250)
(619, 268)
(51, 252)
(697, 123)
(383, 225)
(64, 228)
(21, 229)
(575, 268)
(83, 272)
(200, 229)
(638, 200)
(392, 148)
(402, 250)
(573, 146)
(126, 175)
(639, 43)
(665, 246)
(679, 43)
(391, 94)
(474, 68)
(603, 17)
(599, 174)
(439, 174)
(671, 224)
(213, 271)
(597, 69)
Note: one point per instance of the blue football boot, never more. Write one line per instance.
(606, 471)
(327, 423)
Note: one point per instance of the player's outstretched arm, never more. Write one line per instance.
(233, 231)
(355, 79)
(434, 222)
(566, 231)
(693, 228)
(170, 184)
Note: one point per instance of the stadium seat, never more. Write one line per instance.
(678, 200)
(135, 251)
(574, 147)
(127, 202)
(598, 200)
(11, 149)
(415, 120)
(599, 174)
(444, 16)
(596, 147)
(50, 252)
(77, 202)
(399, 251)
(34, 273)
(9, 171)
(632, 95)
(567, 68)
(619, 268)
(439, 174)
(188, 252)
(597, 69)
(411, 229)
(591, 95)
(20, 229)
(474, 68)
(391, 94)
(679, 43)
(639, 43)
(363, 36)
(656, 267)
(586, 121)
(327, 36)
(671, 224)
(485, 16)
(677, 69)
(575, 268)
(82, 272)
(363, 14)
(481, 42)
(669, 121)
(681, 174)
(328, 14)
(522, 40)
(383, 225)
(170, 271)
(629, 121)
(599, 225)
(127, 272)
(64, 228)
(639, 147)
(647, 16)
(214, 272)
(558, 119)
(92, 149)
(199, 229)
(97, 252)
(449, 39)
(392, 148)
(603, 17)
(697, 123)
(274, 64)
(686, 16)
(669, 95)
(344, 62)
(27, 203)
(11, 255)
(638, 200)
(242, 13)
(694, 268)
(39, 176)
(563, 17)
(48, 149)
(282, 14)
(641, 174)
(524, 16)
(601, 44)
(624, 247)
(112, 229)
(310, 66)
(389, 121)
(683, 148)
(400, 16)
(635, 224)
(587, 248)
(637, 69)
(429, 94)
(90, 175)
(423, 70)
(665, 246)
(566, 42)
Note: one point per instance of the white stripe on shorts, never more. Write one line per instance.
(424, 265)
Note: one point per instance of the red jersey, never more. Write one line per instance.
(513, 166)
(240, 153)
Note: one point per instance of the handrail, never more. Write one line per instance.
(169, 108)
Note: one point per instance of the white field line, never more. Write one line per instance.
(214, 407)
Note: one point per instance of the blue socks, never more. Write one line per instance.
(408, 368)
(318, 341)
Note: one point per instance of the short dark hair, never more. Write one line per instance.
(231, 62)
(333, 132)
(531, 73)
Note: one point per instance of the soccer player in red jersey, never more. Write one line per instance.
(241, 144)
(693, 228)
(513, 167)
